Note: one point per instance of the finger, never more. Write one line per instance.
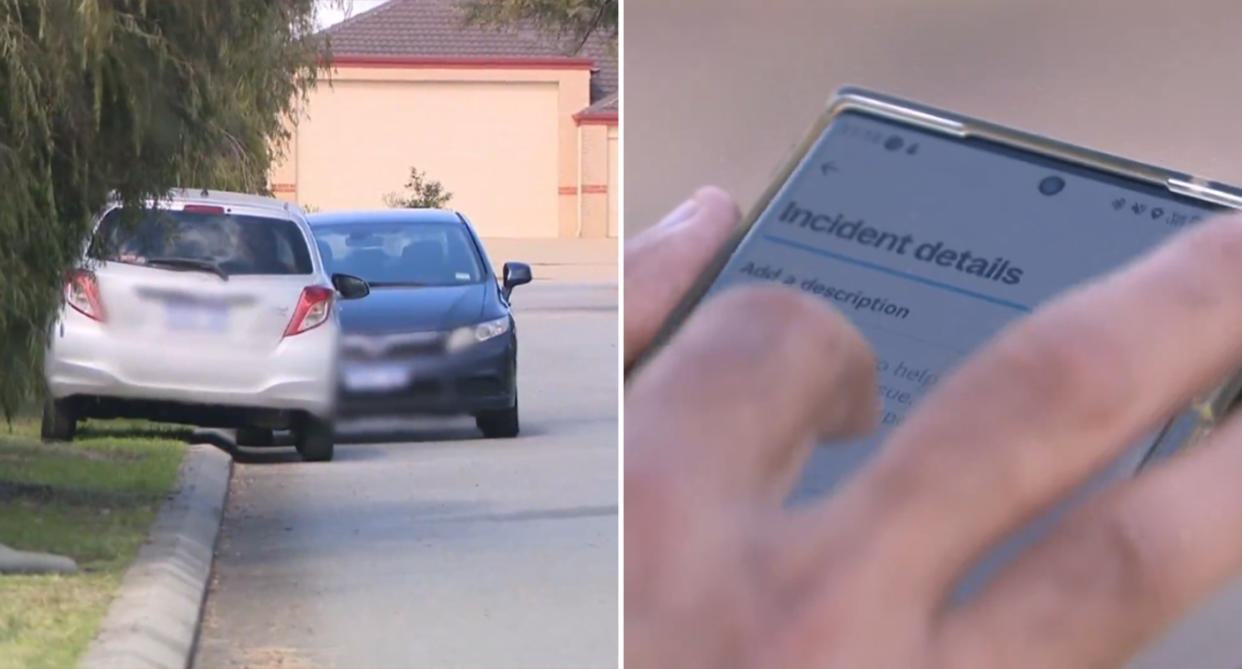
(1053, 399)
(718, 420)
(728, 407)
(1119, 571)
(663, 262)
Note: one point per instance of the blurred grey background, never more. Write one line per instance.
(720, 91)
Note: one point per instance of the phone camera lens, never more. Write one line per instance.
(1051, 185)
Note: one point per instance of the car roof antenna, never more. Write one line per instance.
(206, 193)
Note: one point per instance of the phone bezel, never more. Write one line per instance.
(1208, 410)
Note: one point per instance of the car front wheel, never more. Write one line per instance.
(315, 439)
(502, 424)
(59, 421)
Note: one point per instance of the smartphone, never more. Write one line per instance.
(931, 231)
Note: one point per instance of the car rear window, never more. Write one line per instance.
(236, 244)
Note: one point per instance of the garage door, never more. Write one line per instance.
(492, 145)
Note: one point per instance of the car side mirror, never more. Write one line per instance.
(514, 275)
(350, 287)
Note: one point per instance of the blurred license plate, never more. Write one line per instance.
(188, 315)
(376, 377)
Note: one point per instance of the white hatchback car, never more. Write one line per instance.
(207, 308)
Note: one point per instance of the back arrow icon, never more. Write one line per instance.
(828, 167)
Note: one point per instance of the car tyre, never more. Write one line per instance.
(255, 436)
(502, 424)
(315, 439)
(59, 422)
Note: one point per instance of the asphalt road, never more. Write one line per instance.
(437, 548)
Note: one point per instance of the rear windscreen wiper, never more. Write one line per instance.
(189, 264)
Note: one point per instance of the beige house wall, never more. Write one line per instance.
(284, 168)
(595, 180)
(614, 181)
(500, 168)
(502, 139)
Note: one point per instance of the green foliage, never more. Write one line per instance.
(420, 193)
(135, 97)
(570, 22)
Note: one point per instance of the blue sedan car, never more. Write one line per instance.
(435, 335)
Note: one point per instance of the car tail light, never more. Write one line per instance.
(82, 293)
(314, 307)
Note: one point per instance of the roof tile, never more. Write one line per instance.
(437, 28)
(603, 107)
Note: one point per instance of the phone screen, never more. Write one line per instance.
(930, 244)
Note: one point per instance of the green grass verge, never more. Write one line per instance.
(93, 500)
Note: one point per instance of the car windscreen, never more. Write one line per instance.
(420, 253)
(232, 243)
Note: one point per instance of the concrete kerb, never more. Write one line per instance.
(153, 622)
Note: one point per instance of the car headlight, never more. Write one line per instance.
(469, 335)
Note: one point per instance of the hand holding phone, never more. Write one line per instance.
(1085, 391)
(718, 424)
